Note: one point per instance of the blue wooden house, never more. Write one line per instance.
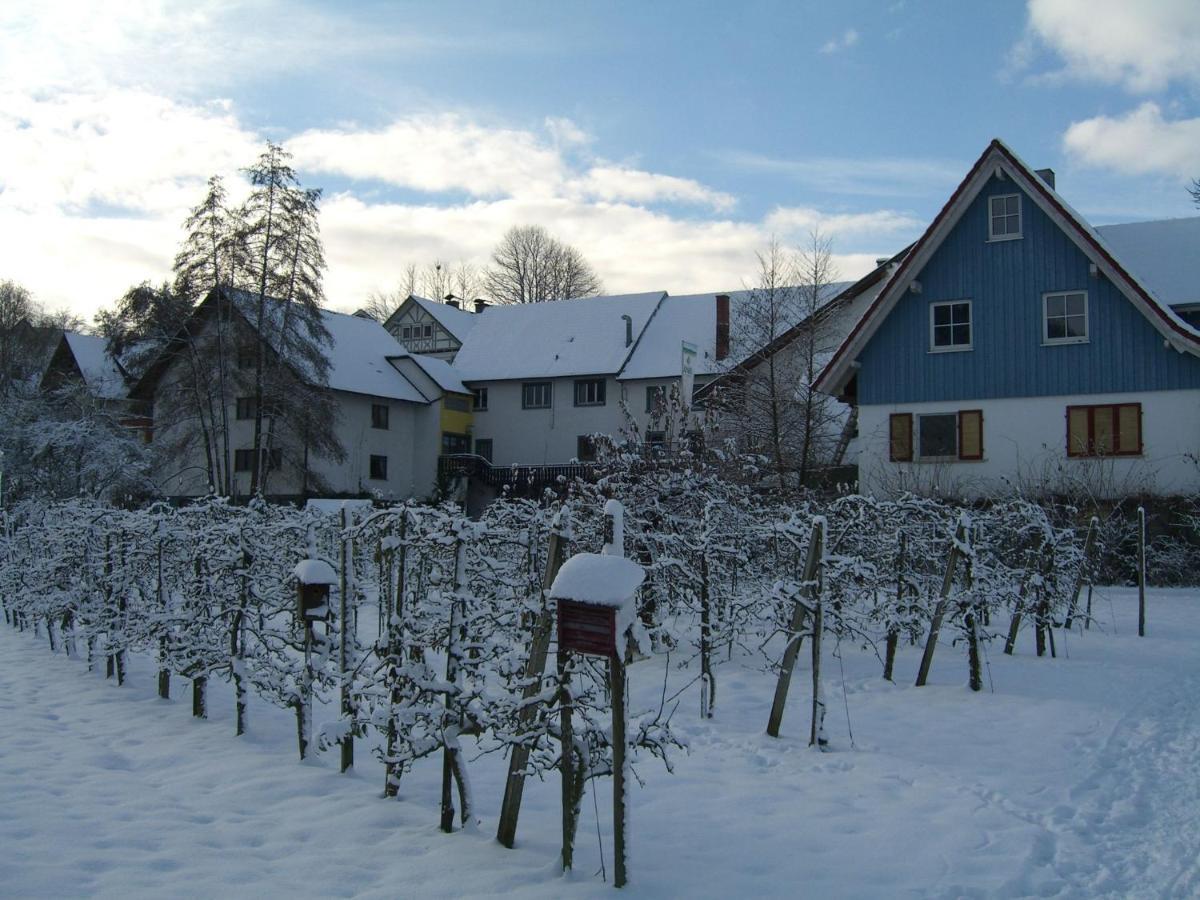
(1016, 347)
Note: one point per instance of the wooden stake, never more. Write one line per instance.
(893, 634)
(1141, 571)
(799, 612)
(391, 781)
(567, 764)
(620, 811)
(939, 613)
(1089, 544)
(816, 733)
(535, 666)
(346, 636)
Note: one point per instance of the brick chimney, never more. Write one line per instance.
(1047, 175)
(722, 326)
(480, 304)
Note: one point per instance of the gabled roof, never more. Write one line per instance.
(999, 158)
(436, 370)
(100, 371)
(1164, 255)
(358, 353)
(555, 339)
(458, 322)
(693, 318)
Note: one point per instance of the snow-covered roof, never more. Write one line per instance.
(559, 338)
(693, 318)
(314, 571)
(1163, 255)
(458, 322)
(439, 371)
(100, 371)
(358, 359)
(358, 354)
(598, 580)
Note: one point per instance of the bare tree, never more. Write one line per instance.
(816, 273)
(466, 281)
(777, 340)
(435, 280)
(531, 266)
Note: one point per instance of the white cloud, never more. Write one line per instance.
(608, 182)
(434, 154)
(845, 41)
(795, 222)
(1141, 142)
(126, 149)
(95, 186)
(1143, 46)
(877, 177)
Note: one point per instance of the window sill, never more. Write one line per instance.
(951, 349)
(578, 405)
(999, 239)
(941, 460)
(1065, 342)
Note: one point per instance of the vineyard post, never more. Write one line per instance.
(535, 665)
(346, 635)
(795, 636)
(1141, 571)
(939, 613)
(1089, 544)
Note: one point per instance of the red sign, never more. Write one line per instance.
(583, 628)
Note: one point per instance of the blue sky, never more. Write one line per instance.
(668, 141)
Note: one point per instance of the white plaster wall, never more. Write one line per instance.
(550, 436)
(1025, 448)
(411, 453)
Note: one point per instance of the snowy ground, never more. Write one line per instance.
(1077, 777)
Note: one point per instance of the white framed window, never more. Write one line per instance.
(950, 326)
(1065, 317)
(1004, 217)
(940, 437)
(535, 395)
(590, 392)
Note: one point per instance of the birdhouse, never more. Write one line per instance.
(595, 597)
(313, 579)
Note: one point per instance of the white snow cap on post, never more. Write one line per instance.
(314, 571)
(616, 513)
(598, 580)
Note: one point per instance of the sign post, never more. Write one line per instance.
(595, 598)
(687, 372)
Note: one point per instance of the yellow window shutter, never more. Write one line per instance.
(970, 434)
(1077, 431)
(1129, 428)
(900, 437)
(1104, 427)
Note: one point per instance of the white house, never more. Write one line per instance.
(390, 410)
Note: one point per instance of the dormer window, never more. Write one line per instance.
(950, 326)
(1004, 217)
